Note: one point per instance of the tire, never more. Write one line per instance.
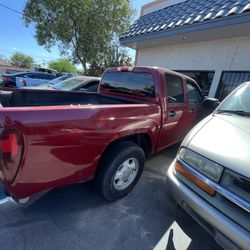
(118, 160)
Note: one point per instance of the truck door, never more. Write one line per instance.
(195, 110)
(174, 113)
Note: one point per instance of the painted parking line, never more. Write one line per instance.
(174, 238)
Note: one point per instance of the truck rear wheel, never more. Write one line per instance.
(120, 170)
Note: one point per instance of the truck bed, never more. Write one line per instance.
(64, 144)
(28, 98)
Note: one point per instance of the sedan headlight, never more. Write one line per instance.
(201, 164)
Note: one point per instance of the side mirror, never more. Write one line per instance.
(211, 103)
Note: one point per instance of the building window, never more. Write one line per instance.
(229, 81)
(203, 78)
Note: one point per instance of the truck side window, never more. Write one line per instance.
(193, 93)
(174, 89)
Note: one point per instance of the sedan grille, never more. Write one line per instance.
(237, 184)
(242, 184)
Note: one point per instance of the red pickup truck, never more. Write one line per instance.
(50, 139)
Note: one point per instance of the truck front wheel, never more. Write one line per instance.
(119, 170)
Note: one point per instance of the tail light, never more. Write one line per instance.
(125, 69)
(11, 150)
(6, 79)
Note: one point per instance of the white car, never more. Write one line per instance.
(73, 83)
(210, 177)
(34, 79)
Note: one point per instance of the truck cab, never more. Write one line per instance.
(179, 96)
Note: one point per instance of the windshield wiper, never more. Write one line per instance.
(235, 112)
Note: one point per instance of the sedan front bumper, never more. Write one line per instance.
(226, 233)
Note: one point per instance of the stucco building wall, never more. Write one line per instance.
(219, 55)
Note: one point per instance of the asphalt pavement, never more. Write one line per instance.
(76, 217)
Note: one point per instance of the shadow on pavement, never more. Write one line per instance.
(76, 217)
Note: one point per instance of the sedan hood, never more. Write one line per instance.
(225, 139)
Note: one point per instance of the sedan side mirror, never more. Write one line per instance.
(211, 103)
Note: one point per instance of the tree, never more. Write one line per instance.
(84, 28)
(94, 69)
(117, 56)
(21, 60)
(62, 65)
(114, 56)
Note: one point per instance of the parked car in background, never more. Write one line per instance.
(34, 79)
(28, 82)
(210, 177)
(75, 83)
(44, 70)
(10, 80)
(13, 71)
(64, 137)
(59, 78)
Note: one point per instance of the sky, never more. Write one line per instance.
(14, 36)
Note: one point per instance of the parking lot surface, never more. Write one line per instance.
(76, 217)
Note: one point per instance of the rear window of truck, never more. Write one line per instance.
(134, 83)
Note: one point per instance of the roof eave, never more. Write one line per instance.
(217, 23)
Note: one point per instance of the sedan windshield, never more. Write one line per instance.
(238, 103)
(71, 83)
(59, 79)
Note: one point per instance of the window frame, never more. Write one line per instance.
(219, 93)
(204, 92)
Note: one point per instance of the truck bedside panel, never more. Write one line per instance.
(63, 145)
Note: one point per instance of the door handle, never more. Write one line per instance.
(172, 113)
(191, 111)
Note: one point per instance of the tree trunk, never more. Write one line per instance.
(84, 65)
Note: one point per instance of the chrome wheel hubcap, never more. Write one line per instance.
(126, 174)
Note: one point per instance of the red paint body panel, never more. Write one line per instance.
(64, 144)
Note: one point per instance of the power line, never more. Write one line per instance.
(74, 5)
(20, 13)
(11, 52)
(11, 9)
